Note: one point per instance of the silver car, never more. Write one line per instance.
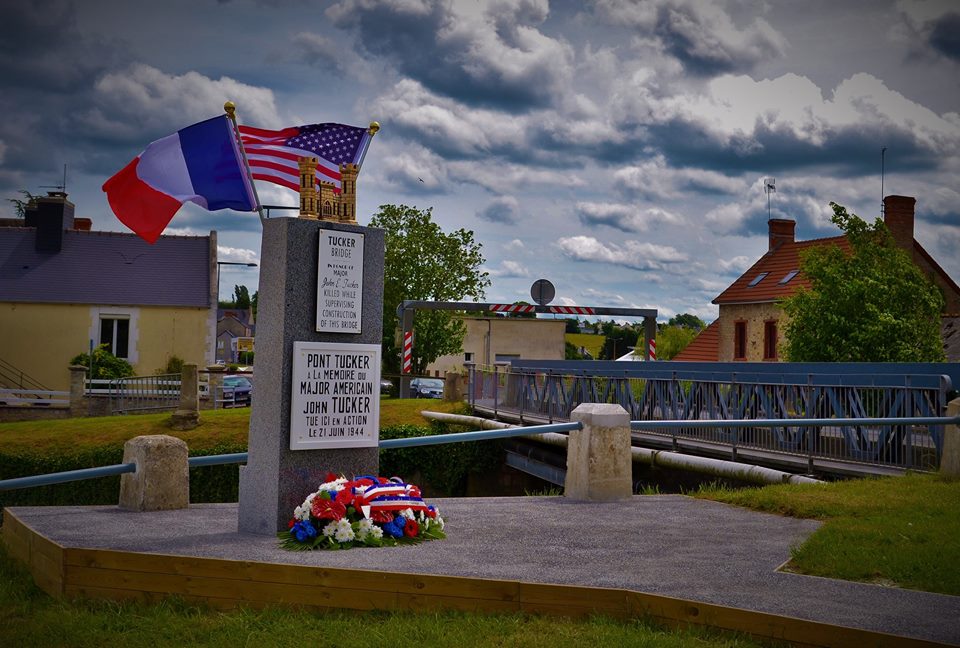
(426, 388)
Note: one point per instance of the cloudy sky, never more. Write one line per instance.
(617, 148)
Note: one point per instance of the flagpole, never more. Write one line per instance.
(231, 109)
(371, 131)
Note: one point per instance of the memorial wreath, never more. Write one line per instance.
(362, 512)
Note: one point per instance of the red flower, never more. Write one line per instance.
(432, 513)
(324, 509)
(383, 517)
(291, 523)
(330, 477)
(411, 529)
(346, 496)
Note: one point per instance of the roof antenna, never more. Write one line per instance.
(62, 188)
(883, 153)
(769, 187)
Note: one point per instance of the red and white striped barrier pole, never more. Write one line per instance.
(407, 351)
(513, 308)
(653, 349)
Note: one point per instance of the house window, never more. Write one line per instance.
(115, 333)
(468, 357)
(757, 279)
(770, 340)
(739, 340)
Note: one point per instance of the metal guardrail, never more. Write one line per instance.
(144, 393)
(34, 397)
(481, 435)
(659, 393)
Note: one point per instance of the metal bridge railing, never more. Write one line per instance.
(843, 403)
(142, 393)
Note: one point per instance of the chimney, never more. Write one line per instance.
(781, 231)
(82, 224)
(50, 215)
(898, 217)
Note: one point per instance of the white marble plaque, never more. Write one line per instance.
(339, 282)
(335, 396)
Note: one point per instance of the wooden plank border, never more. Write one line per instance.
(227, 584)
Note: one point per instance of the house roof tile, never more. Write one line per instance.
(105, 268)
(705, 347)
(777, 264)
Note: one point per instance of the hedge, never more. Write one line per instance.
(443, 467)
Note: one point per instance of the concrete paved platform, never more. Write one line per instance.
(669, 544)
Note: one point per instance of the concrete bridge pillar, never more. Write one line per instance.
(950, 461)
(599, 461)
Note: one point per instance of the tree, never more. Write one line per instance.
(872, 304)
(241, 299)
(687, 320)
(671, 340)
(424, 263)
(573, 325)
(20, 204)
(618, 340)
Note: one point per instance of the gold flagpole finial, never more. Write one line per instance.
(373, 128)
(231, 109)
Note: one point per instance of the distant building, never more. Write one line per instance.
(63, 287)
(751, 323)
(497, 339)
(233, 324)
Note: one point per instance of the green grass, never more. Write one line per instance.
(217, 427)
(901, 531)
(592, 343)
(28, 617)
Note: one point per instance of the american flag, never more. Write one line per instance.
(273, 154)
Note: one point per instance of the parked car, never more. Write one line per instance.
(237, 391)
(386, 386)
(426, 388)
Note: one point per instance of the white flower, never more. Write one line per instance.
(439, 521)
(302, 512)
(333, 486)
(363, 528)
(376, 532)
(344, 532)
(408, 513)
(330, 529)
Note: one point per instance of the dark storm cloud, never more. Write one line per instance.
(845, 152)
(503, 210)
(490, 62)
(945, 35)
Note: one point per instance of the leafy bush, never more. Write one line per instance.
(105, 364)
(442, 470)
(174, 366)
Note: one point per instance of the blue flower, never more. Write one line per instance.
(393, 530)
(303, 531)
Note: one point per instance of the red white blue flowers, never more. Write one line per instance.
(362, 512)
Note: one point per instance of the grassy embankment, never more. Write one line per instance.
(592, 343)
(217, 427)
(902, 531)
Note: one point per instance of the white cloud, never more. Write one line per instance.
(509, 269)
(141, 100)
(514, 246)
(237, 255)
(655, 179)
(631, 254)
(627, 218)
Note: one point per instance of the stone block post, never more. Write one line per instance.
(950, 461)
(599, 465)
(452, 386)
(215, 385)
(78, 391)
(187, 416)
(162, 479)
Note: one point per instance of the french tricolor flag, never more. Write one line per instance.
(201, 164)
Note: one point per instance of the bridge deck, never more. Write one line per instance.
(648, 549)
(797, 463)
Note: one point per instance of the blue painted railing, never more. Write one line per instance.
(485, 435)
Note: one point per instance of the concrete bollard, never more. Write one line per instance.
(950, 461)
(162, 479)
(187, 416)
(78, 390)
(452, 386)
(215, 385)
(599, 464)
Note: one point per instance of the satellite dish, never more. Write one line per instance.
(542, 292)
